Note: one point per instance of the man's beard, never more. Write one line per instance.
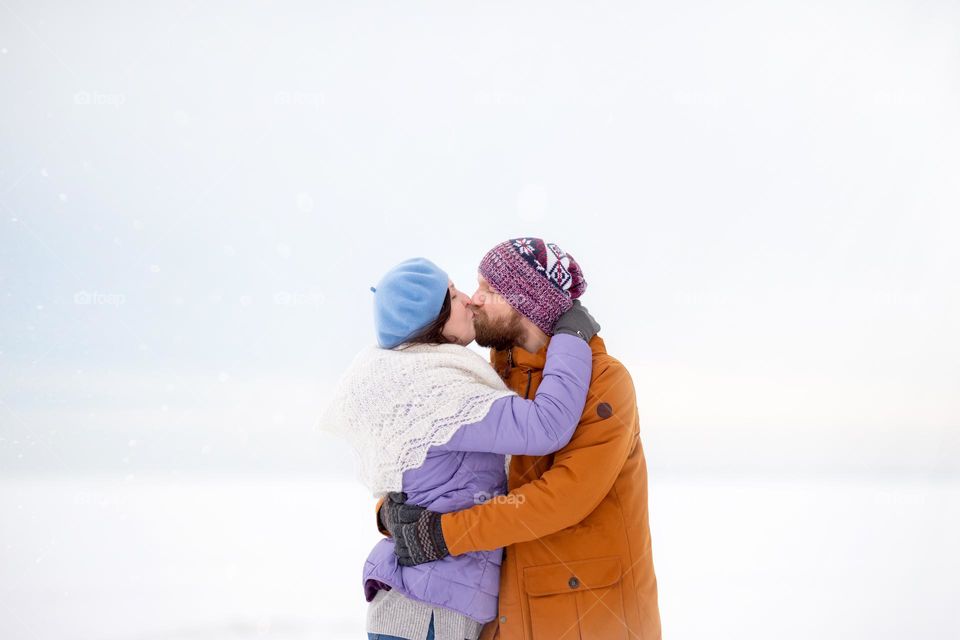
(501, 334)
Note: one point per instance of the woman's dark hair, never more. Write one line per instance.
(433, 332)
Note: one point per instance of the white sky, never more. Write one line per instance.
(196, 198)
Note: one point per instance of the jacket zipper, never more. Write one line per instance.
(526, 394)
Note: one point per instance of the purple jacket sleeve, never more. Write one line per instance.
(518, 426)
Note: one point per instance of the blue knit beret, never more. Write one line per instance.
(407, 299)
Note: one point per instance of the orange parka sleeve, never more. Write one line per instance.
(581, 476)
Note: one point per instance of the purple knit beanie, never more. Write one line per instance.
(537, 278)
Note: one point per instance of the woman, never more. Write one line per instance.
(431, 418)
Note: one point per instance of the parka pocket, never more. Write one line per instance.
(579, 600)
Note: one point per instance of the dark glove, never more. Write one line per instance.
(577, 322)
(395, 511)
(416, 531)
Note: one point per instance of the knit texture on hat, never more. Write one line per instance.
(537, 278)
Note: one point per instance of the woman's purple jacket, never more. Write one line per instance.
(470, 468)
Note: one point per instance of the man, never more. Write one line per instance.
(578, 560)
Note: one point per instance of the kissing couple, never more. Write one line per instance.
(512, 493)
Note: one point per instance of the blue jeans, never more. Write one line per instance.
(380, 636)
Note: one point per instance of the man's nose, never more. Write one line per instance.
(477, 299)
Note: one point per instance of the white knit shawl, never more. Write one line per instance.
(394, 404)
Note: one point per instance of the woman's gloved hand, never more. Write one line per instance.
(577, 322)
(416, 531)
(395, 511)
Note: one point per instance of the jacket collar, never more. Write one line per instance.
(528, 361)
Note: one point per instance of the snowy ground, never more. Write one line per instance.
(249, 558)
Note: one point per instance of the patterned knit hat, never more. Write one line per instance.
(537, 278)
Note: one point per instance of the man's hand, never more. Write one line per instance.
(416, 531)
